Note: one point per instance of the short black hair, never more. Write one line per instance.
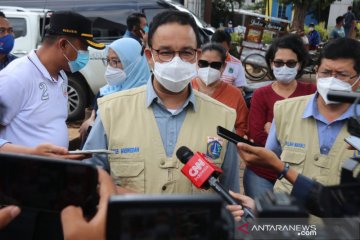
(292, 42)
(221, 36)
(311, 25)
(342, 48)
(349, 8)
(133, 20)
(339, 19)
(173, 16)
(212, 46)
(2, 14)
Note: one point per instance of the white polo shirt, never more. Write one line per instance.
(2, 142)
(33, 104)
(234, 72)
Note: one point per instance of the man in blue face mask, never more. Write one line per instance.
(137, 27)
(33, 90)
(6, 41)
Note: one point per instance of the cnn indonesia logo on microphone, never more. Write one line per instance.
(198, 169)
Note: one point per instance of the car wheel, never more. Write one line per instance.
(77, 100)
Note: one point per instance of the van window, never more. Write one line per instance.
(19, 26)
(107, 24)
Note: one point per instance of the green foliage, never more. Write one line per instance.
(267, 37)
(236, 40)
(319, 8)
(256, 6)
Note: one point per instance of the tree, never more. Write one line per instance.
(222, 11)
(301, 7)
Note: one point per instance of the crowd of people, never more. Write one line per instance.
(165, 89)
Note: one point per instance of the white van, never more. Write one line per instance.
(108, 22)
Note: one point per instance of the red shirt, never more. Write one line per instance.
(231, 97)
(261, 112)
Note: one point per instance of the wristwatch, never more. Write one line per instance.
(283, 173)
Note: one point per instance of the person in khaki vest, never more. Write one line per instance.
(145, 126)
(308, 132)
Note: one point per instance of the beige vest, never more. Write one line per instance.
(300, 145)
(141, 163)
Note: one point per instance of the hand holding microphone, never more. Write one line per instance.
(203, 174)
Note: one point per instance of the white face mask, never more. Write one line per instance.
(174, 75)
(285, 74)
(209, 75)
(331, 83)
(114, 76)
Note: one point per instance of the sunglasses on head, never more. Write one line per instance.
(290, 64)
(204, 63)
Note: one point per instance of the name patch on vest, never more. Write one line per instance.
(294, 144)
(127, 150)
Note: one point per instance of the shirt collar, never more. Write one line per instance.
(132, 35)
(228, 57)
(311, 110)
(152, 97)
(36, 61)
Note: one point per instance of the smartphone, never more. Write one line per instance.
(232, 137)
(353, 141)
(47, 184)
(96, 151)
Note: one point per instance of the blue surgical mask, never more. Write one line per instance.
(80, 62)
(6, 44)
(146, 28)
(285, 74)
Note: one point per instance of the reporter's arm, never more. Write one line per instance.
(45, 149)
(262, 157)
(75, 227)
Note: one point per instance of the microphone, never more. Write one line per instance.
(203, 174)
(342, 96)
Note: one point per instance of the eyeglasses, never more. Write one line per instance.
(166, 55)
(6, 30)
(340, 75)
(290, 64)
(112, 62)
(204, 64)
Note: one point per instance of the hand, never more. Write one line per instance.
(7, 214)
(259, 156)
(76, 227)
(236, 210)
(50, 150)
(267, 127)
(85, 126)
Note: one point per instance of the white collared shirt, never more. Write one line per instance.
(33, 104)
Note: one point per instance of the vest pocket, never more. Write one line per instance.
(129, 175)
(296, 161)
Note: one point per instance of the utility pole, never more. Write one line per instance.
(207, 11)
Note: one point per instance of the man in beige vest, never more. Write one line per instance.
(145, 126)
(308, 132)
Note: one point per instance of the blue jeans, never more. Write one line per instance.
(254, 185)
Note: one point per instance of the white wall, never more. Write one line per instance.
(338, 8)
